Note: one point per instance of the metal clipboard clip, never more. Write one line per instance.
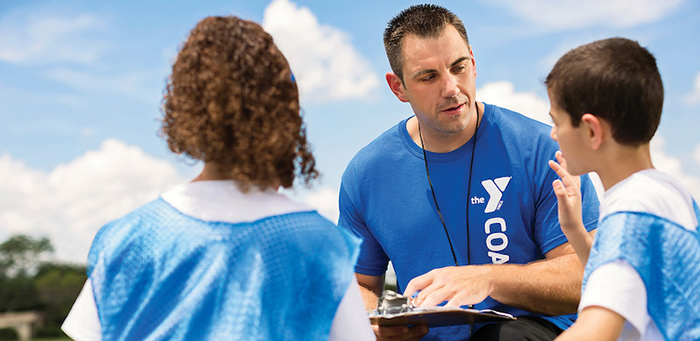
(393, 303)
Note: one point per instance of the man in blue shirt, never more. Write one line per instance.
(459, 198)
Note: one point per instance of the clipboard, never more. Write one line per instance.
(437, 316)
(394, 309)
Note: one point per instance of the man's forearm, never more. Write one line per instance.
(551, 286)
(369, 298)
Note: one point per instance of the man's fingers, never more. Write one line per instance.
(400, 333)
(418, 283)
(391, 331)
(457, 301)
(460, 299)
(437, 296)
(419, 300)
(416, 333)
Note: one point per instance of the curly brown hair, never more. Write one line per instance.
(232, 100)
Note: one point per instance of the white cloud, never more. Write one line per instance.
(564, 46)
(697, 155)
(323, 60)
(694, 97)
(325, 201)
(565, 14)
(527, 103)
(597, 184)
(673, 167)
(73, 201)
(41, 37)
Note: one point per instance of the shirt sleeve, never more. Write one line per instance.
(549, 234)
(590, 201)
(351, 321)
(83, 321)
(618, 287)
(372, 259)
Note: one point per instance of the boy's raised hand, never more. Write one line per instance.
(568, 192)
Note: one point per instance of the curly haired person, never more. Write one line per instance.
(226, 257)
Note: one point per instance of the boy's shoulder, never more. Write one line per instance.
(653, 192)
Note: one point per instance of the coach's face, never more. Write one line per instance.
(438, 81)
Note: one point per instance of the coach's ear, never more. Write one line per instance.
(596, 129)
(396, 86)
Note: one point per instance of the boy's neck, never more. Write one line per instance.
(623, 161)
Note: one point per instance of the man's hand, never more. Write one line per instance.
(459, 285)
(400, 333)
(568, 192)
(371, 288)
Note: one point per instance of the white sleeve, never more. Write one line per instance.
(351, 321)
(617, 286)
(83, 322)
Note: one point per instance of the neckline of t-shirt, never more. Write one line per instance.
(222, 201)
(644, 176)
(464, 150)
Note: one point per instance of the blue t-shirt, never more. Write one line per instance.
(385, 199)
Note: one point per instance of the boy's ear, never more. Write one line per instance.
(396, 86)
(596, 129)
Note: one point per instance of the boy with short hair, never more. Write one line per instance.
(640, 281)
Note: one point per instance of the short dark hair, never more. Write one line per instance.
(425, 21)
(615, 79)
(231, 100)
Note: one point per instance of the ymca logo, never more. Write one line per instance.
(495, 190)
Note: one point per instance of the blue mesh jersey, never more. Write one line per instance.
(385, 199)
(667, 258)
(158, 274)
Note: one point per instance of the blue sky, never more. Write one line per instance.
(81, 83)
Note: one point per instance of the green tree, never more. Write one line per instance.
(29, 282)
(21, 255)
(57, 285)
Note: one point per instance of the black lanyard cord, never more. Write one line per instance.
(425, 158)
(469, 187)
